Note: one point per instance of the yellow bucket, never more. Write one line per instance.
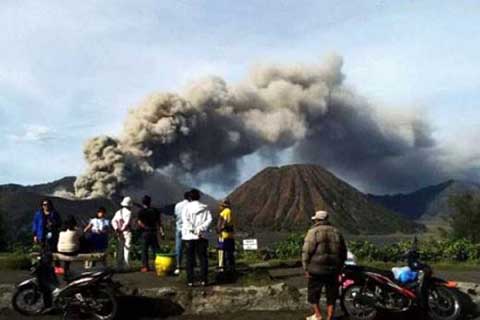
(164, 264)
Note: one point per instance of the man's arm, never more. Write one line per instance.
(159, 224)
(139, 220)
(220, 223)
(126, 220)
(308, 249)
(204, 226)
(343, 248)
(34, 228)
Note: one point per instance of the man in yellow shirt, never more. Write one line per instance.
(226, 239)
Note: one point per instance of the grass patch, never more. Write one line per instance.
(13, 261)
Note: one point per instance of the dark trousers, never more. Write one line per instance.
(229, 252)
(49, 246)
(150, 241)
(197, 248)
(317, 282)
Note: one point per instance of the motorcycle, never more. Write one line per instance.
(367, 291)
(90, 293)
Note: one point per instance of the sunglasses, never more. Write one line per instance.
(45, 204)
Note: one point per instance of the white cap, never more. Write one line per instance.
(320, 215)
(126, 202)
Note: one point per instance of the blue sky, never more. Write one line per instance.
(71, 70)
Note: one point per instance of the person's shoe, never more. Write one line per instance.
(59, 271)
(203, 284)
(313, 317)
(144, 269)
(176, 272)
(190, 284)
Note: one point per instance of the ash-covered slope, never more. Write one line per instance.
(285, 198)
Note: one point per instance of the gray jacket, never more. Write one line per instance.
(324, 250)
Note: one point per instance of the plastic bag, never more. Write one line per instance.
(404, 274)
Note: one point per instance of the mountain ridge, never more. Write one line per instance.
(427, 203)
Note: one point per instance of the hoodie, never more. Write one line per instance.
(196, 219)
(122, 219)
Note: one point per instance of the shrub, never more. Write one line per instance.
(459, 250)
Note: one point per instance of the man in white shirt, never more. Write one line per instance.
(121, 223)
(196, 219)
(179, 208)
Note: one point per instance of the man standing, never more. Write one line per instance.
(196, 220)
(121, 223)
(150, 224)
(179, 208)
(323, 255)
(225, 229)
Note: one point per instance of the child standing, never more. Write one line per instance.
(99, 227)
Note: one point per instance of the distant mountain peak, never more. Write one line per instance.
(285, 198)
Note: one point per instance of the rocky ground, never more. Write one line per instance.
(267, 294)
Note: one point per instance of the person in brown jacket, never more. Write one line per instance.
(323, 256)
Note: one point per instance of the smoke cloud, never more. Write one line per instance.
(212, 124)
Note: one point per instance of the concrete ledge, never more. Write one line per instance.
(78, 257)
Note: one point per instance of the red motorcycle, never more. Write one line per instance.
(367, 291)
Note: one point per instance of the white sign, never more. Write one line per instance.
(250, 244)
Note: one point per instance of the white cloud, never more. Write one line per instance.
(34, 134)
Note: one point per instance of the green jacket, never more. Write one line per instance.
(324, 250)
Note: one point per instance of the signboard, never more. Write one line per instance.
(250, 244)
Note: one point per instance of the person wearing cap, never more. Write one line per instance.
(323, 255)
(150, 224)
(121, 223)
(226, 240)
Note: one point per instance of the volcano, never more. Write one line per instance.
(285, 198)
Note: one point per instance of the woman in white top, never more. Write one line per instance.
(99, 227)
(121, 223)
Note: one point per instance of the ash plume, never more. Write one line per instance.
(212, 124)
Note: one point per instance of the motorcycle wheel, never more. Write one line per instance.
(102, 304)
(353, 308)
(444, 304)
(28, 301)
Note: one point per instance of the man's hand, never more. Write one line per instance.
(307, 275)
(35, 239)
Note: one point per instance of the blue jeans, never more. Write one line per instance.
(178, 247)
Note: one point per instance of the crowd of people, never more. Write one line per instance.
(323, 255)
(193, 221)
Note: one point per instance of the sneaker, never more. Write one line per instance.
(203, 284)
(176, 272)
(144, 269)
(59, 271)
(190, 284)
(312, 317)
